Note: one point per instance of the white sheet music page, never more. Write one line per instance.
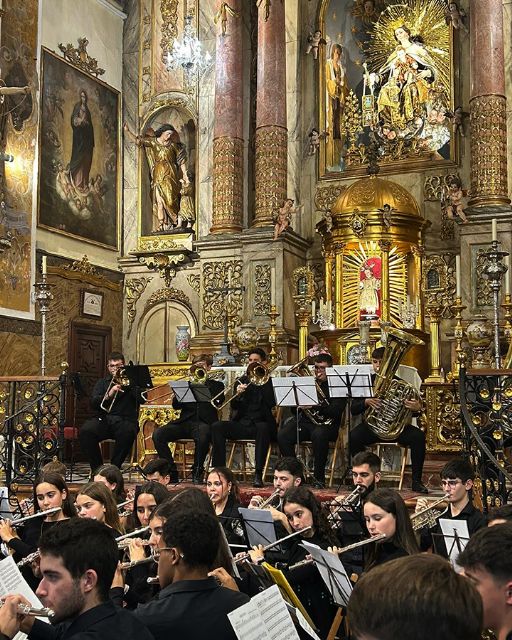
(332, 571)
(456, 536)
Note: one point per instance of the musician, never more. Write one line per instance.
(252, 418)
(119, 423)
(158, 470)
(385, 513)
(78, 561)
(224, 492)
(147, 497)
(111, 477)
(411, 436)
(328, 413)
(190, 603)
(500, 515)
(457, 477)
(194, 422)
(418, 597)
(96, 501)
(487, 562)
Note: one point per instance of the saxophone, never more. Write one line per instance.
(389, 420)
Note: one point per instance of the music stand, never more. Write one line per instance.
(258, 526)
(455, 534)
(187, 392)
(332, 571)
(296, 392)
(140, 381)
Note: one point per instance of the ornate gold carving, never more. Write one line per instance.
(262, 289)
(352, 127)
(303, 288)
(488, 151)
(438, 284)
(164, 295)
(326, 196)
(434, 186)
(166, 265)
(227, 185)
(358, 222)
(161, 243)
(442, 418)
(484, 295)
(271, 170)
(217, 275)
(194, 280)
(160, 415)
(133, 289)
(83, 265)
(162, 372)
(79, 57)
(169, 11)
(372, 194)
(84, 271)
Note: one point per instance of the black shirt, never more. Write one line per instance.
(102, 621)
(201, 411)
(191, 610)
(330, 408)
(125, 405)
(255, 404)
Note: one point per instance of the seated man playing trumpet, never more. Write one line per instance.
(194, 422)
(252, 417)
(319, 424)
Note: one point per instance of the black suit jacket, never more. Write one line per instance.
(201, 411)
(255, 403)
(104, 621)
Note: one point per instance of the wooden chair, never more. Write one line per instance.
(247, 468)
(336, 448)
(184, 450)
(398, 474)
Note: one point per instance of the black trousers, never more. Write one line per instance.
(199, 431)
(261, 432)
(320, 437)
(122, 430)
(411, 437)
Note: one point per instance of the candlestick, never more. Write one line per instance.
(457, 277)
(494, 230)
(43, 266)
(507, 275)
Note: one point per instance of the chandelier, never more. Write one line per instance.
(188, 53)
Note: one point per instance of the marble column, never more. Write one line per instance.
(488, 108)
(228, 141)
(271, 140)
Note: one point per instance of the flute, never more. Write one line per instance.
(152, 580)
(133, 533)
(273, 544)
(135, 563)
(17, 521)
(28, 610)
(28, 559)
(126, 543)
(361, 543)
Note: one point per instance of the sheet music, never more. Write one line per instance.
(265, 617)
(295, 392)
(359, 377)
(332, 571)
(303, 622)
(456, 537)
(11, 581)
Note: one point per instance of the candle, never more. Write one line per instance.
(494, 230)
(313, 307)
(507, 276)
(43, 266)
(457, 277)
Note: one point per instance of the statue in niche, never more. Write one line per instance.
(336, 87)
(170, 183)
(283, 217)
(369, 285)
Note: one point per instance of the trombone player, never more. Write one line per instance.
(194, 422)
(319, 424)
(117, 409)
(252, 418)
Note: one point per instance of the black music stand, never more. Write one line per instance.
(332, 571)
(140, 381)
(258, 526)
(296, 392)
(455, 534)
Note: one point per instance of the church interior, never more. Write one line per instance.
(181, 177)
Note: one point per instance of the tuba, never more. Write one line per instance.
(388, 421)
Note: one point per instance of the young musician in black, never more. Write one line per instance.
(252, 418)
(117, 417)
(194, 422)
(412, 437)
(319, 424)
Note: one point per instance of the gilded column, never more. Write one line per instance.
(338, 285)
(228, 144)
(304, 318)
(385, 246)
(328, 257)
(488, 105)
(418, 252)
(271, 139)
(434, 311)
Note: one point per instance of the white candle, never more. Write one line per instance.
(313, 307)
(494, 230)
(43, 266)
(507, 276)
(457, 277)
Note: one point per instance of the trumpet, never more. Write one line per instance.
(28, 610)
(427, 517)
(119, 378)
(257, 373)
(245, 556)
(17, 521)
(268, 502)
(349, 502)
(355, 545)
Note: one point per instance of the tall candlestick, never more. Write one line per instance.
(507, 276)
(43, 266)
(457, 277)
(494, 230)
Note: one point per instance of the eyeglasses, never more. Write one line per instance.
(160, 549)
(450, 483)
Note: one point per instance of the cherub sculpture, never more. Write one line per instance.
(222, 16)
(451, 200)
(314, 140)
(283, 217)
(314, 41)
(457, 117)
(456, 15)
(387, 212)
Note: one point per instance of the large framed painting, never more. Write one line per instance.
(79, 172)
(385, 86)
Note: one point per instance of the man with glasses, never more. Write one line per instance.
(117, 417)
(319, 424)
(457, 478)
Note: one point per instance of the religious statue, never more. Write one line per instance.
(335, 82)
(456, 16)
(313, 43)
(369, 285)
(4, 92)
(387, 212)
(283, 217)
(222, 15)
(451, 200)
(167, 160)
(457, 118)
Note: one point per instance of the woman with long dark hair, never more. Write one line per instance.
(95, 500)
(146, 498)
(224, 493)
(111, 476)
(385, 513)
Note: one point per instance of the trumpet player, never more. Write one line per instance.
(119, 423)
(194, 422)
(252, 418)
(412, 437)
(324, 429)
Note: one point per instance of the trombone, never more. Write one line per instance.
(257, 374)
(119, 378)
